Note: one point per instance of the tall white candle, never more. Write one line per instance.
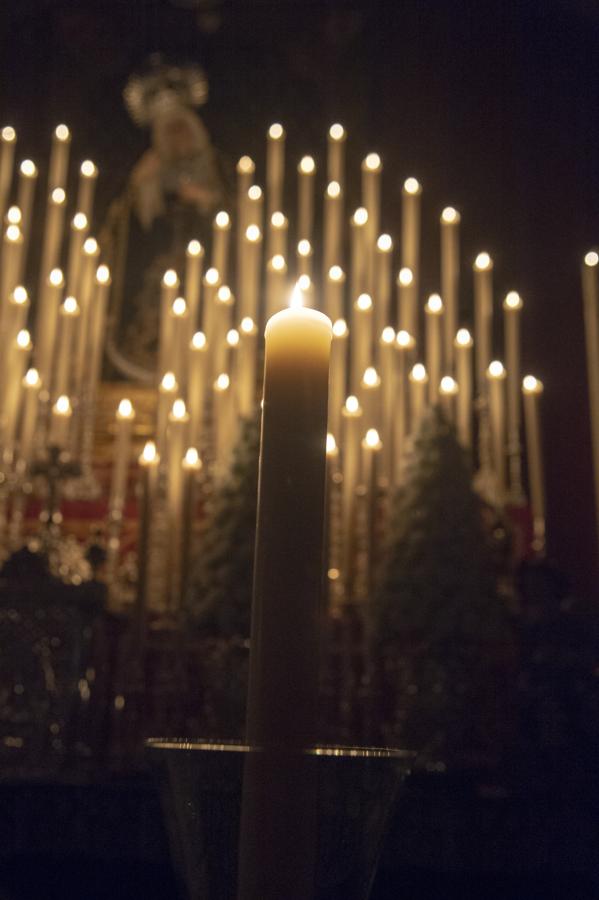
(338, 378)
(278, 227)
(306, 172)
(121, 458)
(496, 377)
(388, 380)
(512, 310)
(418, 378)
(31, 388)
(362, 338)
(88, 176)
(194, 260)
(483, 318)
(61, 416)
(463, 359)
(221, 234)
(359, 251)
(407, 302)
(532, 389)
(178, 421)
(333, 225)
(433, 311)
(382, 289)
(405, 347)
(8, 140)
(275, 167)
(52, 240)
(372, 168)
(590, 296)
(276, 284)
(59, 157)
(196, 387)
(68, 316)
(352, 430)
(336, 139)
(47, 325)
(334, 287)
(411, 197)
(247, 366)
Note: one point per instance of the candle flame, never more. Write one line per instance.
(179, 307)
(372, 439)
(278, 220)
(434, 304)
(169, 382)
(246, 165)
(222, 382)
(307, 165)
(88, 169)
(496, 369)
(247, 325)
(463, 338)
(62, 133)
(212, 276)
(304, 247)
(19, 295)
(352, 405)
(388, 335)
(103, 274)
(253, 233)
(125, 410)
(483, 262)
(198, 341)
(179, 410)
(32, 378)
(370, 378)
(62, 407)
(28, 168)
(224, 294)
(372, 162)
(360, 217)
(149, 454)
(405, 339)
(194, 248)
(532, 385)
(232, 337)
(9, 135)
(23, 339)
(296, 299)
(70, 306)
(331, 446)
(13, 233)
(56, 278)
(305, 282)
(418, 373)
(333, 189)
(340, 328)
(276, 131)
(384, 243)
(170, 278)
(255, 192)
(448, 385)
(14, 216)
(364, 302)
(405, 277)
(278, 262)
(450, 215)
(336, 132)
(79, 222)
(333, 574)
(222, 219)
(192, 460)
(591, 258)
(90, 246)
(336, 273)
(513, 300)
(58, 196)
(412, 186)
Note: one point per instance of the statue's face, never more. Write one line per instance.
(178, 141)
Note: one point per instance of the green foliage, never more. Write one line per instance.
(221, 590)
(442, 631)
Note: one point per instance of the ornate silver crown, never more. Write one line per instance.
(163, 86)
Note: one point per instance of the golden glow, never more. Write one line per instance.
(79, 222)
(513, 300)
(532, 385)
(296, 300)
(62, 133)
(70, 306)
(388, 335)
(405, 277)
(450, 215)
(304, 248)
(222, 219)
(463, 338)
(102, 274)
(364, 302)
(333, 574)
(232, 337)
(19, 295)
(333, 189)
(125, 410)
(483, 262)
(32, 378)
(253, 233)
(276, 131)
(448, 385)
(340, 328)
(23, 339)
(384, 243)
(278, 262)
(222, 382)
(192, 460)
(304, 283)
(168, 383)
(224, 294)
(370, 378)
(88, 169)
(278, 220)
(179, 307)
(336, 132)
(194, 248)
(418, 373)
(179, 410)
(360, 217)
(372, 439)
(331, 444)
(591, 258)
(434, 304)
(307, 165)
(90, 246)
(247, 325)
(28, 168)
(212, 276)
(496, 369)
(352, 405)
(149, 454)
(58, 196)
(170, 278)
(56, 278)
(336, 273)
(246, 165)
(255, 192)
(13, 233)
(372, 162)
(62, 407)
(198, 341)
(405, 340)
(14, 216)
(9, 134)
(412, 186)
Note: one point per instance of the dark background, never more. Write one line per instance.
(493, 106)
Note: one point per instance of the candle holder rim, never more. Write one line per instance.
(317, 750)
